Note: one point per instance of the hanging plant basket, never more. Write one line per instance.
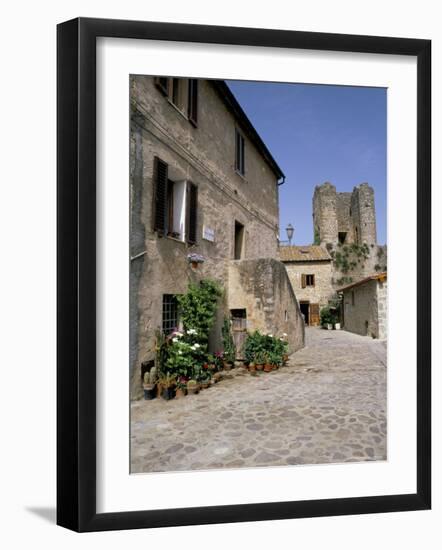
(195, 260)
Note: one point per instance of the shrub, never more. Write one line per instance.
(228, 343)
(197, 308)
(260, 348)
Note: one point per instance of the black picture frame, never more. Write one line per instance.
(76, 274)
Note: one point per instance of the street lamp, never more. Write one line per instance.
(290, 230)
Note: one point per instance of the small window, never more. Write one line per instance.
(170, 313)
(342, 236)
(183, 93)
(239, 241)
(239, 153)
(307, 280)
(352, 297)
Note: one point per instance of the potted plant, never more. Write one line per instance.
(181, 388)
(168, 384)
(252, 367)
(149, 385)
(195, 259)
(259, 360)
(337, 326)
(267, 365)
(193, 387)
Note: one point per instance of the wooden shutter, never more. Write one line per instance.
(303, 280)
(162, 84)
(314, 314)
(160, 196)
(192, 212)
(192, 107)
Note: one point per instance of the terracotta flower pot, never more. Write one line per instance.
(227, 366)
(252, 368)
(193, 389)
(259, 367)
(267, 367)
(194, 265)
(180, 392)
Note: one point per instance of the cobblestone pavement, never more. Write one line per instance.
(328, 405)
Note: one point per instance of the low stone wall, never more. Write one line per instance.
(262, 287)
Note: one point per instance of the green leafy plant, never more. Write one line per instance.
(262, 348)
(197, 309)
(228, 343)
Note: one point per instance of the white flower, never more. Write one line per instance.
(191, 331)
(180, 352)
(284, 334)
(271, 335)
(196, 345)
(174, 339)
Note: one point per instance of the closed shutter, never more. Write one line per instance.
(192, 108)
(303, 280)
(162, 84)
(192, 212)
(314, 314)
(160, 196)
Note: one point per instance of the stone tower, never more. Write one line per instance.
(344, 217)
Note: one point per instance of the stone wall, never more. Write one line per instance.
(323, 290)
(262, 287)
(204, 155)
(368, 314)
(351, 213)
(325, 221)
(382, 290)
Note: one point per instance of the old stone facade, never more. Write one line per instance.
(345, 223)
(310, 272)
(365, 306)
(202, 181)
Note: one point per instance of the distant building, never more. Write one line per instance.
(364, 308)
(202, 182)
(310, 271)
(345, 223)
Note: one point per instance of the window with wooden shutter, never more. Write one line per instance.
(192, 217)
(239, 152)
(160, 196)
(303, 281)
(162, 84)
(192, 109)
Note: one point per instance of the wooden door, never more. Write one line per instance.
(239, 332)
(314, 315)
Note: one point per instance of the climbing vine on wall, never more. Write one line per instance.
(349, 256)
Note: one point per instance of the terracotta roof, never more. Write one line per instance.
(377, 276)
(309, 253)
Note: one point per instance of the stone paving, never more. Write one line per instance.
(327, 406)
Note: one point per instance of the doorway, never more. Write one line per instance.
(305, 311)
(239, 331)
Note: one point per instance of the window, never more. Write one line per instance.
(307, 280)
(183, 93)
(239, 153)
(239, 241)
(342, 236)
(352, 297)
(175, 205)
(170, 313)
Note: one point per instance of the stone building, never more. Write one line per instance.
(345, 223)
(310, 271)
(201, 181)
(365, 306)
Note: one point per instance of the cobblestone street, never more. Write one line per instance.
(328, 405)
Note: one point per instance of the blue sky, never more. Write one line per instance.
(320, 133)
